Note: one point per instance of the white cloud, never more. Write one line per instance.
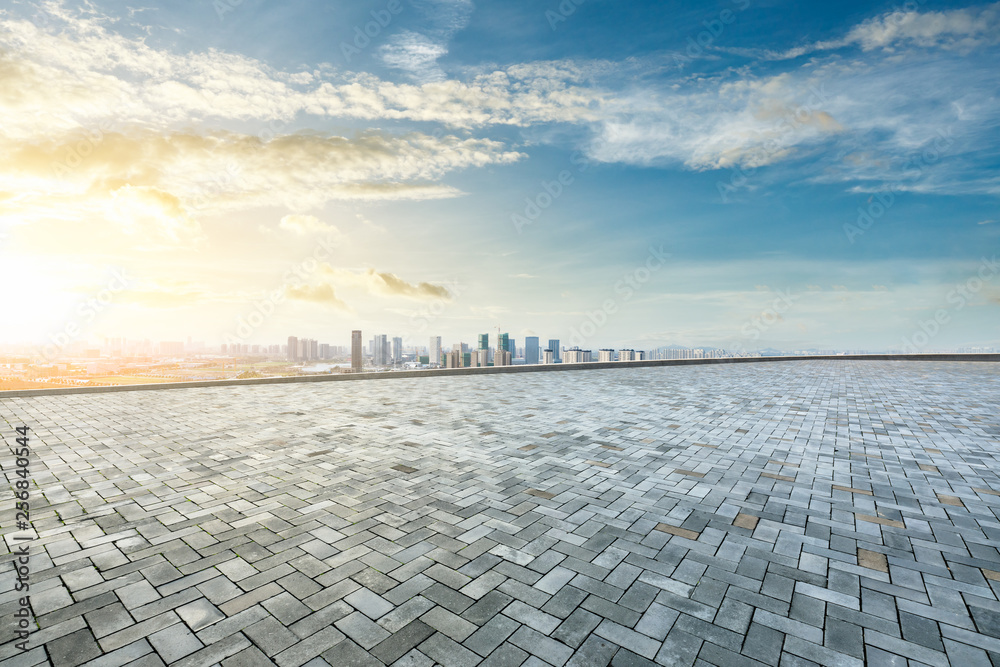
(955, 29)
(84, 74)
(718, 125)
(156, 186)
(80, 72)
(385, 284)
(418, 52)
(307, 224)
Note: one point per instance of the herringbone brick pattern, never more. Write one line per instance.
(828, 512)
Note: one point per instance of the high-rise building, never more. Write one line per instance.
(554, 346)
(531, 350)
(434, 351)
(547, 357)
(606, 355)
(356, 351)
(502, 356)
(482, 358)
(484, 342)
(626, 355)
(293, 348)
(380, 350)
(397, 351)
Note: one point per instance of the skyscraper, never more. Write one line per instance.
(503, 356)
(293, 348)
(397, 351)
(531, 350)
(380, 350)
(554, 346)
(434, 351)
(356, 351)
(484, 341)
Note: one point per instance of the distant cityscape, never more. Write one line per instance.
(118, 361)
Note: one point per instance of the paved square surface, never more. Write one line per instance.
(828, 512)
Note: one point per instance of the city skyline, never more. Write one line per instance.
(405, 169)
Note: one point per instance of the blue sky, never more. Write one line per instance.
(844, 154)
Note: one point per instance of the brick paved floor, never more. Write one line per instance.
(795, 513)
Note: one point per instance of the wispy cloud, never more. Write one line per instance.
(79, 72)
(955, 29)
(385, 284)
(418, 52)
(158, 184)
(321, 294)
(306, 224)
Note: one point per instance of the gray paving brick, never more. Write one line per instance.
(595, 652)
(679, 649)
(405, 613)
(199, 614)
(248, 657)
(108, 619)
(506, 655)
(575, 629)
(448, 652)
(763, 643)
(253, 538)
(447, 623)
(309, 648)
(401, 642)
(174, 642)
(361, 629)
(73, 649)
(270, 636)
(490, 636)
(539, 645)
(533, 618)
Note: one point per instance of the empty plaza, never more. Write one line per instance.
(835, 512)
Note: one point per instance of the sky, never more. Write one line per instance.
(744, 174)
